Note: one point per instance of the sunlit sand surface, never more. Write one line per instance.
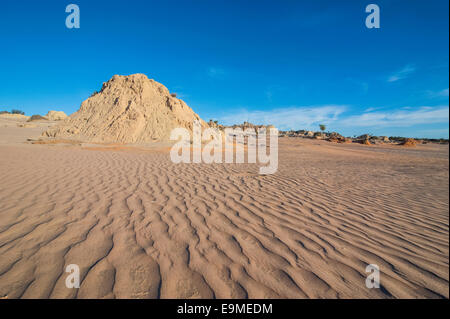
(140, 226)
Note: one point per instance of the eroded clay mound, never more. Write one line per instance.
(56, 115)
(128, 109)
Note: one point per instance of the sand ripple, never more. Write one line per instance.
(141, 227)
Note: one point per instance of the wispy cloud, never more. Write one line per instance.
(400, 118)
(437, 94)
(402, 74)
(269, 95)
(214, 72)
(371, 109)
(307, 117)
(339, 118)
(272, 90)
(363, 86)
(444, 92)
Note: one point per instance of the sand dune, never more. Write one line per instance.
(140, 226)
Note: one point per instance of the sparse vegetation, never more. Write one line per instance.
(4, 112)
(36, 117)
(213, 123)
(410, 142)
(372, 139)
(94, 93)
(322, 127)
(14, 111)
(173, 94)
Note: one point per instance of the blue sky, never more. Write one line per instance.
(293, 64)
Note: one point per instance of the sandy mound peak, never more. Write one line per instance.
(128, 109)
(56, 115)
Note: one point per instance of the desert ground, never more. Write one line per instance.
(140, 226)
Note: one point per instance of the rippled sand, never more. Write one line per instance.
(140, 226)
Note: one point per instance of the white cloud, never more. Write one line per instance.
(399, 118)
(402, 74)
(307, 117)
(337, 119)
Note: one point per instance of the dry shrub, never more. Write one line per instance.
(409, 142)
(36, 117)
